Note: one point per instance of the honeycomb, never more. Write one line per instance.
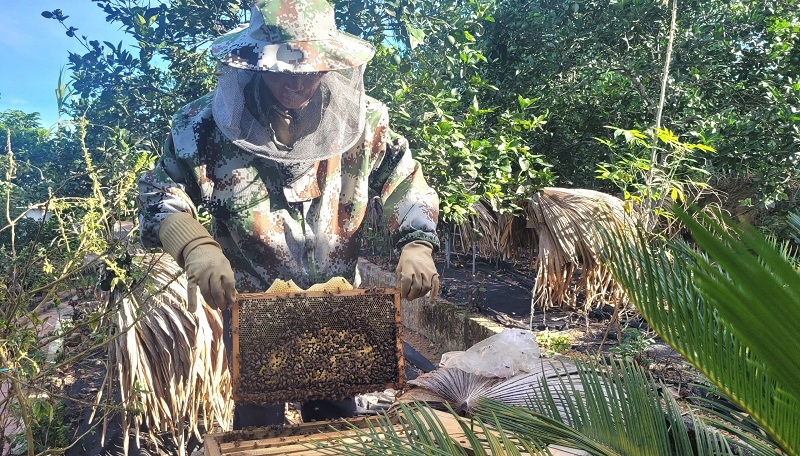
(300, 346)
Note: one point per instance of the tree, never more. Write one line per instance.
(139, 91)
(591, 64)
(441, 100)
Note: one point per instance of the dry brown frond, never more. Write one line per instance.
(495, 234)
(171, 364)
(480, 230)
(567, 222)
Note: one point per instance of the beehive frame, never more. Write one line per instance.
(299, 346)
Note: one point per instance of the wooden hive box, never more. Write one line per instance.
(299, 440)
(296, 440)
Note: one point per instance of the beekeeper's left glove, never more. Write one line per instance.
(416, 271)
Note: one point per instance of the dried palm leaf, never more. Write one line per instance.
(462, 390)
(567, 221)
(171, 364)
(482, 229)
(495, 234)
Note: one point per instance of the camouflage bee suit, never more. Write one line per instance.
(290, 221)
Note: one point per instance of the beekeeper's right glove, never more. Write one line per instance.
(201, 257)
(416, 272)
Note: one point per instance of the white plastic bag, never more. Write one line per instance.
(503, 355)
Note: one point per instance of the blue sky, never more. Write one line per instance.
(34, 49)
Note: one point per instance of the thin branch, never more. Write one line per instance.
(667, 58)
(24, 410)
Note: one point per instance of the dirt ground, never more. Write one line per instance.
(423, 345)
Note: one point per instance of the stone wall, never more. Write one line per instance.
(443, 323)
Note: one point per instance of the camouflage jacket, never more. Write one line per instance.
(277, 221)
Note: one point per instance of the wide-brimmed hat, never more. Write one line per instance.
(293, 36)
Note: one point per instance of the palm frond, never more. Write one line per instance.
(613, 409)
(566, 221)
(462, 390)
(617, 409)
(747, 268)
(692, 299)
(794, 222)
(171, 365)
(416, 430)
(494, 234)
(481, 230)
(738, 424)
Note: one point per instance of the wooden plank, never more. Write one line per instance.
(301, 445)
(210, 445)
(297, 430)
(235, 348)
(401, 359)
(282, 442)
(286, 445)
(297, 445)
(318, 294)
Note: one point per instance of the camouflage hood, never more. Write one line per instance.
(297, 36)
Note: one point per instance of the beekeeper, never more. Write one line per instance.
(285, 154)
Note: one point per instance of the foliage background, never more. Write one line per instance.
(509, 95)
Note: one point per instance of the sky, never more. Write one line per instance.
(34, 49)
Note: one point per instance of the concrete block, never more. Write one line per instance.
(448, 326)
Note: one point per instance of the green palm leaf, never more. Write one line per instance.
(726, 312)
(417, 430)
(613, 410)
(752, 286)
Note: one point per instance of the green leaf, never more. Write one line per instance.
(703, 148)
(725, 310)
(416, 36)
(525, 102)
(750, 268)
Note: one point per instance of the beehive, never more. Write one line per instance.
(306, 439)
(332, 437)
(295, 439)
(300, 346)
